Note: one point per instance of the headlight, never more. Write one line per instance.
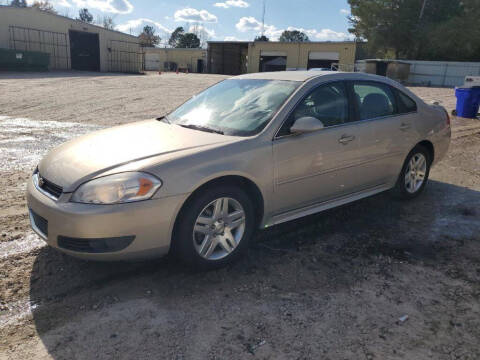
(118, 188)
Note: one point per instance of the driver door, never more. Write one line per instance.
(321, 165)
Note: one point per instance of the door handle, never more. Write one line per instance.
(345, 139)
(405, 126)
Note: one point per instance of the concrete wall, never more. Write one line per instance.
(441, 73)
(155, 58)
(433, 73)
(118, 51)
(298, 53)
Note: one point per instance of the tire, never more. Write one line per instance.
(199, 220)
(407, 186)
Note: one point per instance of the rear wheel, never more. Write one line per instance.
(414, 175)
(215, 227)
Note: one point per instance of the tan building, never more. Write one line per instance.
(236, 58)
(72, 44)
(162, 59)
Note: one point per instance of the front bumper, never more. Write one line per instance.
(150, 222)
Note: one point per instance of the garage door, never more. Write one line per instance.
(84, 51)
(323, 55)
(273, 61)
(152, 62)
(322, 59)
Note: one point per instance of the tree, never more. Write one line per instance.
(107, 23)
(44, 6)
(456, 38)
(175, 37)
(202, 34)
(261, 38)
(85, 16)
(189, 40)
(293, 36)
(148, 37)
(418, 29)
(19, 3)
(66, 13)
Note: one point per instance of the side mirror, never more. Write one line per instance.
(306, 124)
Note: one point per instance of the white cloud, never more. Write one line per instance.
(200, 28)
(194, 15)
(331, 35)
(111, 6)
(136, 26)
(323, 34)
(250, 24)
(63, 3)
(232, 3)
(345, 11)
(232, 38)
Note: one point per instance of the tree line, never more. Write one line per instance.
(418, 29)
(178, 38)
(287, 36)
(409, 29)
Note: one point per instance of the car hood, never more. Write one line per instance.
(91, 155)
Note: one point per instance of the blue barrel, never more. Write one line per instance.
(468, 100)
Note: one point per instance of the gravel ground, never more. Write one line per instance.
(376, 279)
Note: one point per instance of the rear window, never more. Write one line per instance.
(405, 103)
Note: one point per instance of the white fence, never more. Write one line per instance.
(435, 73)
(441, 73)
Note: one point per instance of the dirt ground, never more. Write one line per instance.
(376, 279)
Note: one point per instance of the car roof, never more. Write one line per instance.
(303, 76)
(284, 75)
(319, 76)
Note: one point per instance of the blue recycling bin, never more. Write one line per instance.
(468, 101)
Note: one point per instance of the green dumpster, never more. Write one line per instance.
(19, 60)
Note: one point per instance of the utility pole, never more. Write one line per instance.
(423, 9)
(263, 18)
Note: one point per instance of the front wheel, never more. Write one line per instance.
(414, 175)
(215, 227)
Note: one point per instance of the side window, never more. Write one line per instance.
(374, 100)
(327, 103)
(405, 103)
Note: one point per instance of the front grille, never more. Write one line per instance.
(102, 245)
(49, 187)
(39, 222)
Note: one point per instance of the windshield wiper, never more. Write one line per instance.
(202, 128)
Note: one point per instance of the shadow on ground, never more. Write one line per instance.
(305, 287)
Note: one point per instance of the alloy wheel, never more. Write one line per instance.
(415, 173)
(219, 228)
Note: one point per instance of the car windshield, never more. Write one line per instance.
(238, 107)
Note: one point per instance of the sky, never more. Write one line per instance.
(321, 20)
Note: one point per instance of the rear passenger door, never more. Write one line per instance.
(386, 128)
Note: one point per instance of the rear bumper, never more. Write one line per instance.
(441, 143)
(149, 222)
